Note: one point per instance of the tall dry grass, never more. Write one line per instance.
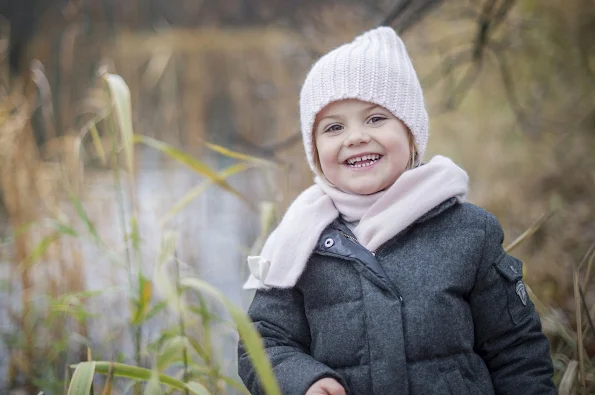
(201, 372)
(535, 175)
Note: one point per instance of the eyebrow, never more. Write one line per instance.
(363, 111)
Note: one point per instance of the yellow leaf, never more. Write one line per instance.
(237, 155)
(121, 104)
(196, 191)
(193, 163)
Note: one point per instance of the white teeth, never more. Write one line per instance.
(373, 157)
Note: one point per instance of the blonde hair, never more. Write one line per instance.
(411, 163)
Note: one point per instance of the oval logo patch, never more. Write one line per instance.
(522, 292)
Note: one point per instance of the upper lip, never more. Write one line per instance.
(361, 155)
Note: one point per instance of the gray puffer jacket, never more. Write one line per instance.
(438, 309)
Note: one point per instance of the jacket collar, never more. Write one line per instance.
(340, 225)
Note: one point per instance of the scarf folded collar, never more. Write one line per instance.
(381, 216)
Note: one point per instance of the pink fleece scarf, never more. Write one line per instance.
(381, 216)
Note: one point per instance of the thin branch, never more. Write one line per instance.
(395, 12)
(445, 68)
(513, 101)
(407, 13)
(417, 15)
(45, 98)
(483, 29)
(535, 226)
(464, 86)
(588, 274)
(579, 329)
(586, 307)
(502, 12)
(587, 256)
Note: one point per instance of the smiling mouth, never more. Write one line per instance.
(363, 161)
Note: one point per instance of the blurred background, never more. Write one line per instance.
(111, 198)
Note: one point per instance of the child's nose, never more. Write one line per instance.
(355, 137)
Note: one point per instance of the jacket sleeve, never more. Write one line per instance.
(508, 333)
(278, 315)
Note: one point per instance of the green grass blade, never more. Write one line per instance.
(156, 309)
(85, 218)
(196, 191)
(193, 163)
(197, 388)
(237, 155)
(40, 249)
(153, 387)
(160, 278)
(97, 144)
(239, 387)
(120, 99)
(82, 379)
(141, 374)
(250, 337)
(170, 352)
(172, 349)
(178, 155)
(63, 228)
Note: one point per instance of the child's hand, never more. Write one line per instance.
(326, 386)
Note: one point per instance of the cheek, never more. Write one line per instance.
(327, 154)
(400, 148)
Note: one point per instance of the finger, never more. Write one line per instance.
(338, 391)
(334, 388)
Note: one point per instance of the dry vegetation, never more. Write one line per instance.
(520, 119)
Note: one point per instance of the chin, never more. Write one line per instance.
(364, 189)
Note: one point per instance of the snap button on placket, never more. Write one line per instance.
(328, 243)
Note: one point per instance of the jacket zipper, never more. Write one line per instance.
(353, 239)
(357, 242)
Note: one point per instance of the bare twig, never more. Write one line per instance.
(483, 28)
(407, 13)
(535, 226)
(513, 101)
(395, 12)
(107, 388)
(446, 67)
(464, 86)
(579, 330)
(45, 98)
(417, 15)
(501, 13)
(586, 307)
(489, 18)
(588, 257)
(589, 267)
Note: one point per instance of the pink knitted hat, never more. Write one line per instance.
(375, 68)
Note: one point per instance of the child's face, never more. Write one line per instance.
(362, 147)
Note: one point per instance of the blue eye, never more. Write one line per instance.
(333, 128)
(377, 118)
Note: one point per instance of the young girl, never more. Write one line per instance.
(380, 279)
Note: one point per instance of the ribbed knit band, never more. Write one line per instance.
(374, 68)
